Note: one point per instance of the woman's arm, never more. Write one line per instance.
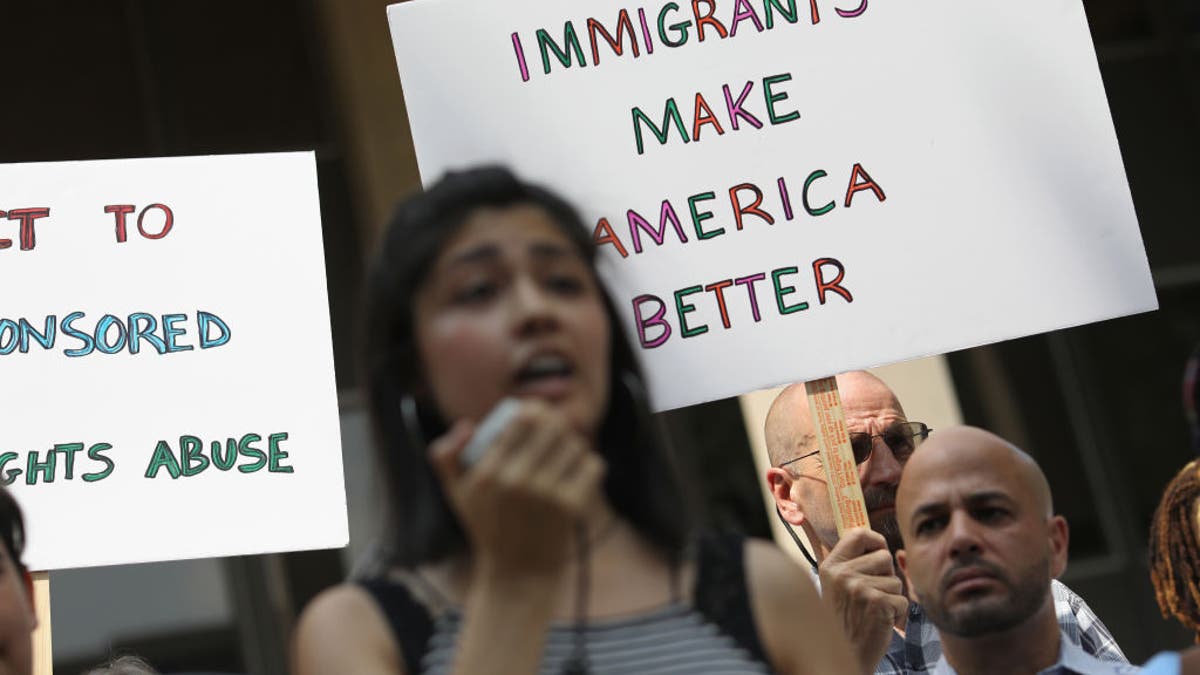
(343, 631)
(797, 630)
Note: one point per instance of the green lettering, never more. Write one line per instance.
(698, 217)
(276, 454)
(12, 474)
(163, 458)
(46, 469)
(191, 451)
(808, 182)
(670, 115)
(781, 290)
(247, 450)
(681, 27)
(94, 455)
(546, 45)
(68, 450)
(684, 308)
(772, 97)
(224, 462)
(790, 13)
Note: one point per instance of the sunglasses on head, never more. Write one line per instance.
(902, 439)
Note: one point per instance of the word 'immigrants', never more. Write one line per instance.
(673, 27)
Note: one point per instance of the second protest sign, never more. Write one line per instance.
(785, 190)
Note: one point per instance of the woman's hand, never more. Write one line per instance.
(519, 503)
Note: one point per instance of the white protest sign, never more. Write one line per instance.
(785, 190)
(165, 346)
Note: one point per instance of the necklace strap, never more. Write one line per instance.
(577, 664)
(426, 591)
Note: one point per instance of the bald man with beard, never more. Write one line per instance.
(856, 572)
(982, 545)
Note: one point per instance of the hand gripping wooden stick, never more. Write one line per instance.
(43, 652)
(833, 440)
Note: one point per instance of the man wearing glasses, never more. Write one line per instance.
(857, 572)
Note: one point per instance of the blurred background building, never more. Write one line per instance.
(1098, 405)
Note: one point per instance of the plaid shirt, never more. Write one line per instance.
(1072, 660)
(921, 648)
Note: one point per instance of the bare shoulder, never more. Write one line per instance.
(770, 570)
(797, 630)
(781, 596)
(343, 630)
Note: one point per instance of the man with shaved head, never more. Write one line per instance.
(856, 571)
(982, 546)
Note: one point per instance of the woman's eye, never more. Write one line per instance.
(565, 283)
(474, 292)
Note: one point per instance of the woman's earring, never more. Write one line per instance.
(411, 418)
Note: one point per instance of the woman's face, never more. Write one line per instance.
(510, 308)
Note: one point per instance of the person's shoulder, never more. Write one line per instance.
(1081, 625)
(797, 631)
(1077, 659)
(1069, 607)
(1166, 663)
(768, 568)
(767, 559)
(344, 627)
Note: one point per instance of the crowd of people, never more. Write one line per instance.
(559, 541)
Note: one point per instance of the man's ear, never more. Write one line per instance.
(779, 482)
(1060, 538)
(902, 568)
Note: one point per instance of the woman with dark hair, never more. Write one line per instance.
(562, 543)
(17, 616)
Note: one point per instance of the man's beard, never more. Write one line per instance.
(877, 497)
(974, 618)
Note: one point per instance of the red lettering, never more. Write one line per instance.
(718, 289)
(609, 237)
(27, 218)
(120, 211)
(834, 285)
(707, 19)
(702, 116)
(167, 223)
(617, 44)
(866, 183)
(739, 210)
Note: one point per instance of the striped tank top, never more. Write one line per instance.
(713, 635)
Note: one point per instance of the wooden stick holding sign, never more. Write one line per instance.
(43, 649)
(833, 440)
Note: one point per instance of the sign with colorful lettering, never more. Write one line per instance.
(787, 189)
(165, 344)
